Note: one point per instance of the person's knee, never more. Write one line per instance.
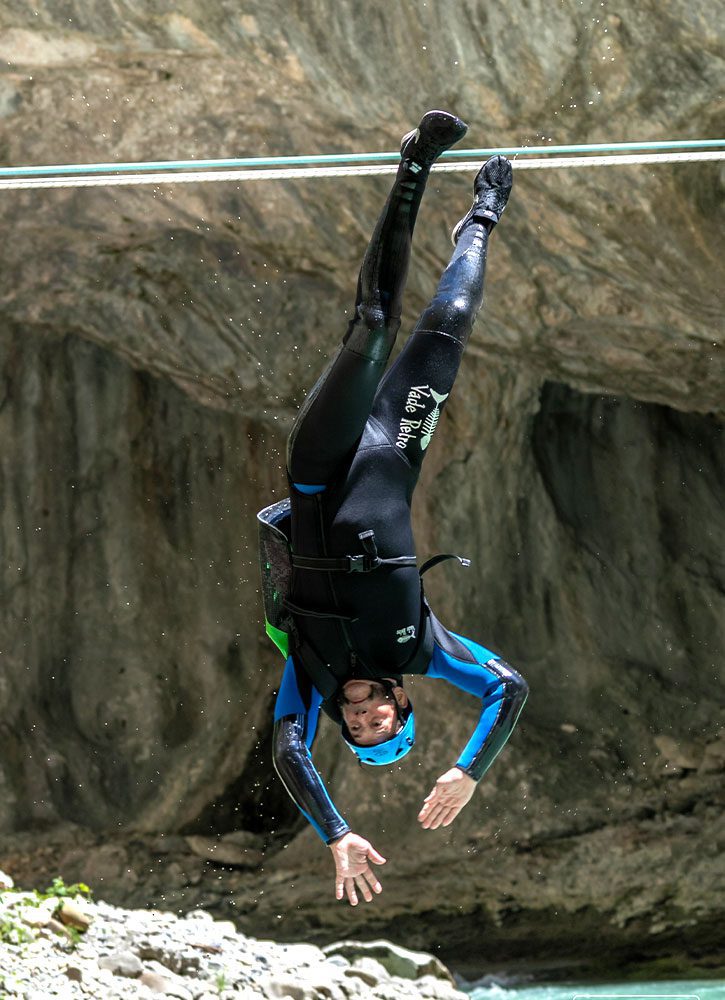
(371, 335)
(451, 314)
(371, 316)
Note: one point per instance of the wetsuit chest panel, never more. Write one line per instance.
(372, 494)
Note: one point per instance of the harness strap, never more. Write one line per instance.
(317, 670)
(442, 558)
(310, 613)
(362, 563)
(365, 562)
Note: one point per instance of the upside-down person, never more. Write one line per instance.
(343, 594)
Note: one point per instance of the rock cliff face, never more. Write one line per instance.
(154, 346)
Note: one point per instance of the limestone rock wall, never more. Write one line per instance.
(155, 343)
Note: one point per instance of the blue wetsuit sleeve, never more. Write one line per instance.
(480, 672)
(296, 714)
(298, 696)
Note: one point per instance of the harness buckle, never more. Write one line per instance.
(357, 564)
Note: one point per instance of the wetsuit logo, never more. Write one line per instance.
(404, 634)
(418, 397)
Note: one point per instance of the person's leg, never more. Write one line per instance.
(414, 391)
(332, 417)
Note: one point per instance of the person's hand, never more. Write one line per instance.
(452, 791)
(352, 855)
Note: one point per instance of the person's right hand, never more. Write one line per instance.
(352, 855)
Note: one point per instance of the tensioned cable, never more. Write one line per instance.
(331, 159)
(301, 173)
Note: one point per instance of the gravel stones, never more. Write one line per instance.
(122, 963)
(39, 915)
(129, 954)
(159, 979)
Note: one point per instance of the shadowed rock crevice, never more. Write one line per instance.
(638, 489)
(255, 800)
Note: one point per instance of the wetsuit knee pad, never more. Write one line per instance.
(453, 315)
(372, 334)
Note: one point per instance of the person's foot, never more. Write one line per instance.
(437, 132)
(491, 190)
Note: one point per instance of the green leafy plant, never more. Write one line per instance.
(14, 933)
(61, 890)
(221, 981)
(73, 939)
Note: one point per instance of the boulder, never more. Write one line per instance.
(368, 971)
(434, 988)
(38, 915)
(396, 960)
(122, 963)
(159, 980)
(227, 850)
(75, 913)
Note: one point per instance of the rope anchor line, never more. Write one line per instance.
(255, 162)
(163, 177)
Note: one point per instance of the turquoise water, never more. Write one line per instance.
(683, 990)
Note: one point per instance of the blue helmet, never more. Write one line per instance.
(391, 750)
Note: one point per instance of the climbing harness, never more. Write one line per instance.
(277, 560)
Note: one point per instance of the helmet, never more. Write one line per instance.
(391, 750)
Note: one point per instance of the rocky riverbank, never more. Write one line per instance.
(62, 944)
(501, 891)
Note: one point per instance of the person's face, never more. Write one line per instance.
(369, 712)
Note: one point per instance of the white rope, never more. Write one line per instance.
(304, 173)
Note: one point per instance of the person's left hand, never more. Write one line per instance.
(452, 791)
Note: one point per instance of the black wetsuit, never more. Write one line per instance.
(354, 457)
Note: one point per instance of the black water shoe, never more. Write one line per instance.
(491, 190)
(437, 132)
